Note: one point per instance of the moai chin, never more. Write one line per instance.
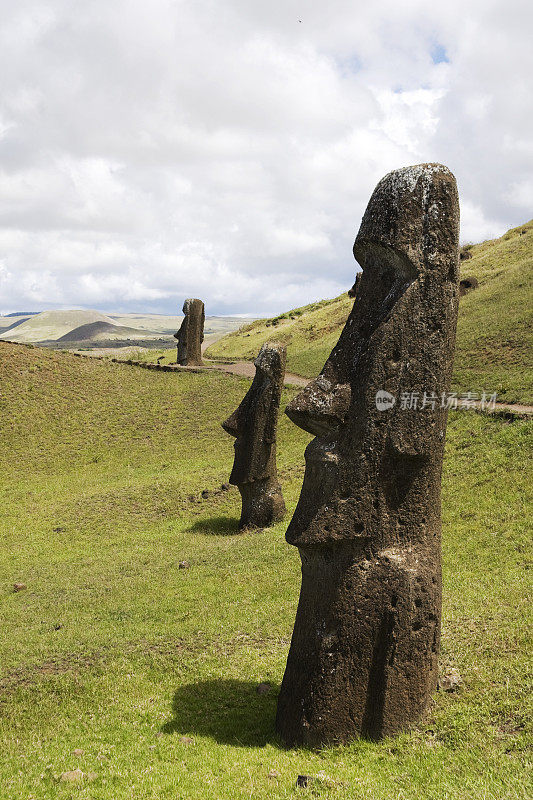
(363, 656)
(254, 425)
(191, 334)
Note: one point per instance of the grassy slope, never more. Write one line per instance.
(114, 650)
(494, 340)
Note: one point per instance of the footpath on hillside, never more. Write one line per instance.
(246, 369)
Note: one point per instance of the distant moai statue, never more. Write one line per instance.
(254, 425)
(353, 291)
(191, 334)
(364, 651)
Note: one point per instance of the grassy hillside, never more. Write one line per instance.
(113, 654)
(494, 338)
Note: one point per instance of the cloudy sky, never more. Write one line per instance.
(226, 149)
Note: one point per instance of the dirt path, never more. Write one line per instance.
(515, 408)
(246, 369)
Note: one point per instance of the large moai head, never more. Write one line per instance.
(191, 333)
(363, 658)
(254, 425)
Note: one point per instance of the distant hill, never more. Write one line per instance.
(149, 323)
(10, 322)
(63, 327)
(98, 331)
(51, 325)
(164, 324)
(15, 324)
(22, 314)
(494, 335)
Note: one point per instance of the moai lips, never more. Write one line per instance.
(254, 424)
(363, 657)
(191, 334)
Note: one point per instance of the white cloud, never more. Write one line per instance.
(150, 152)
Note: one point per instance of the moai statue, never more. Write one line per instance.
(254, 425)
(363, 656)
(353, 291)
(191, 334)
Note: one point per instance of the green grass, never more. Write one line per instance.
(116, 651)
(494, 336)
(494, 332)
(309, 333)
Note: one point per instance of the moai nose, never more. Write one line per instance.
(320, 407)
(231, 424)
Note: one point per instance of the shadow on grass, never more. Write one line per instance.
(216, 526)
(228, 711)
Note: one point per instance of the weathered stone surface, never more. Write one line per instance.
(254, 425)
(191, 334)
(363, 657)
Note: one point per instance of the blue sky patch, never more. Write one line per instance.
(439, 54)
(349, 66)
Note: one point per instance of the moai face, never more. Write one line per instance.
(363, 659)
(253, 424)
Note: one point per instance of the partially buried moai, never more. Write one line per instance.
(191, 334)
(254, 425)
(364, 651)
